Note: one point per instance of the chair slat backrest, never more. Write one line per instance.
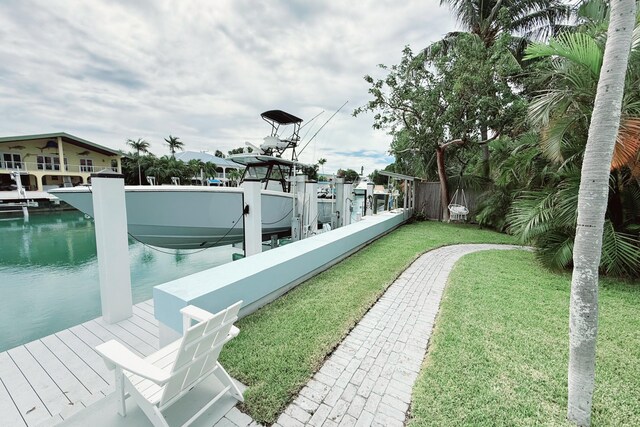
(199, 343)
(230, 317)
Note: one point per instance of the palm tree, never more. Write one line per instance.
(140, 145)
(563, 112)
(592, 206)
(489, 19)
(321, 162)
(486, 19)
(174, 144)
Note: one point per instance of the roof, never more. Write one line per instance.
(281, 117)
(397, 175)
(74, 140)
(185, 156)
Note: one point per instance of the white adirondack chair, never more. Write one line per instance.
(161, 379)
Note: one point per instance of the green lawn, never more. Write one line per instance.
(283, 344)
(499, 353)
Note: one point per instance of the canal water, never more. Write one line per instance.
(49, 273)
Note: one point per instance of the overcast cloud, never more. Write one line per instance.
(204, 70)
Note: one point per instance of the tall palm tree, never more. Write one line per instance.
(321, 162)
(592, 206)
(174, 144)
(140, 145)
(489, 19)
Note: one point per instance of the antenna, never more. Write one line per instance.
(314, 135)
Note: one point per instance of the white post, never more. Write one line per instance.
(253, 219)
(347, 203)
(339, 198)
(405, 212)
(312, 211)
(298, 219)
(110, 218)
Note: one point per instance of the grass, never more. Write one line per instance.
(499, 353)
(284, 343)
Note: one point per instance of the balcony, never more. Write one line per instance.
(53, 167)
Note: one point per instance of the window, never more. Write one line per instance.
(86, 165)
(51, 163)
(11, 161)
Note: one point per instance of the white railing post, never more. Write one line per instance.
(253, 219)
(311, 220)
(110, 218)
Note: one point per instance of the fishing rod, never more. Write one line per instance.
(314, 135)
(302, 127)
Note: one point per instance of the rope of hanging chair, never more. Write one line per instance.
(455, 207)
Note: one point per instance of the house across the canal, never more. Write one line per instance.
(52, 160)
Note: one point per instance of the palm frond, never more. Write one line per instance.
(580, 48)
(553, 137)
(531, 215)
(627, 143)
(620, 252)
(555, 248)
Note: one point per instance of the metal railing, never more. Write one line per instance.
(45, 167)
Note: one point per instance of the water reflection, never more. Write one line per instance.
(49, 273)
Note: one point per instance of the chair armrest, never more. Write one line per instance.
(233, 332)
(192, 312)
(116, 354)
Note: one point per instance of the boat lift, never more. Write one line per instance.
(24, 203)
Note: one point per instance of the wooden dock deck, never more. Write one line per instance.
(46, 381)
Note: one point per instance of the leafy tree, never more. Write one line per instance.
(220, 154)
(240, 150)
(311, 171)
(497, 22)
(141, 146)
(377, 178)
(349, 175)
(430, 104)
(174, 144)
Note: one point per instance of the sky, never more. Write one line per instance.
(204, 70)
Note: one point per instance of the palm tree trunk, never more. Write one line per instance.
(139, 173)
(592, 205)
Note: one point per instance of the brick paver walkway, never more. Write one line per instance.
(368, 379)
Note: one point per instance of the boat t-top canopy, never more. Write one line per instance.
(274, 143)
(281, 117)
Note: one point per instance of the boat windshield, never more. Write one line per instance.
(273, 175)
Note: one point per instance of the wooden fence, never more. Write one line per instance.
(428, 200)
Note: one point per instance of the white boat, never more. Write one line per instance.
(191, 217)
(361, 188)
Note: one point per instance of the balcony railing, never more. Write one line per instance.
(45, 167)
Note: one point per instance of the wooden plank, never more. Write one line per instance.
(147, 306)
(122, 335)
(146, 311)
(48, 391)
(59, 373)
(87, 351)
(57, 344)
(144, 320)
(27, 401)
(106, 335)
(10, 414)
(133, 329)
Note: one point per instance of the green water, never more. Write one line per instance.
(49, 274)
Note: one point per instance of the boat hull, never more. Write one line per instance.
(187, 217)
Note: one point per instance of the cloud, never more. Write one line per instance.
(204, 71)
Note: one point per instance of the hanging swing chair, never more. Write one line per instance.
(458, 207)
